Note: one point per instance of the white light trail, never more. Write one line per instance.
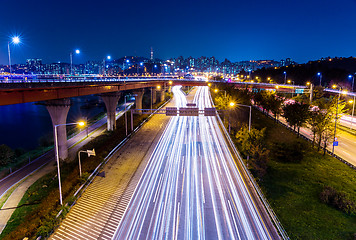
(191, 187)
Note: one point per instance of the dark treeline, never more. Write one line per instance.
(332, 71)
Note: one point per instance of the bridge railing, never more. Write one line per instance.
(85, 78)
(96, 80)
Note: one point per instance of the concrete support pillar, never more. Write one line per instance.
(58, 110)
(154, 95)
(138, 98)
(162, 95)
(111, 100)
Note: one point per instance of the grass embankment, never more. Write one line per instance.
(293, 189)
(35, 215)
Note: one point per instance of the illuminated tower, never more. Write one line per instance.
(151, 54)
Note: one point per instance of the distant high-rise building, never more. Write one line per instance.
(151, 54)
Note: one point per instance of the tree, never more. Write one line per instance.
(253, 144)
(275, 104)
(315, 122)
(296, 114)
(322, 122)
(248, 139)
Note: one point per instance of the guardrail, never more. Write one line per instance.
(282, 232)
(92, 79)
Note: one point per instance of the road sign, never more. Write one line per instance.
(299, 91)
(189, 111)
(336, 143)
(209, 111)
(171, 111)
(191, 105)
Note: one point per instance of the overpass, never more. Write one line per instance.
(56, 91)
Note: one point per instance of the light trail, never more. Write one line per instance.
(191, 187)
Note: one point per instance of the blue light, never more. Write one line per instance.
(350, 76)
(16, 40)
(108, 57)
(155, 66)
(127, 61)
(285, 73)
(319, 73)
(141, 64)
(77, 51)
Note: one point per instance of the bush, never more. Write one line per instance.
(288, 152)
(336, 199)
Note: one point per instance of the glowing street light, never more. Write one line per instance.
(81, 123)
(353, 79)
(77, 51)
(232, 104)
(353, 110)
(285, 76)
(344, 92)
(320, 77)
(14, 40)
(108, 57)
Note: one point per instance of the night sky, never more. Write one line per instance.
(238, 30)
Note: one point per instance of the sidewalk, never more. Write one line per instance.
(12, 202)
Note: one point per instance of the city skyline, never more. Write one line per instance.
(234, 30)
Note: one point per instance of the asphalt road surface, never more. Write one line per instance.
(191, 187)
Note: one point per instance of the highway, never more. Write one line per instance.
(191, 187)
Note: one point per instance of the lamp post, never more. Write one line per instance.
(353, 110)
(353, 79)
(126, 114)
(90, 153)
(104, 63)
(57, 155)
(289, 82)
(77, 51)
(285, 77)
(320, 77)
(232, 104)
(14, 40)
(151, 100)
(336, 113)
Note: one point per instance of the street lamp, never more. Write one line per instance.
(353, 110)
(353, 79)
(57, 154)
(90, 153)
(77, 51)
(285, 77)
(320, 77)
(14, 40)
(104, 64)
(344, 92)
(232, 104)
